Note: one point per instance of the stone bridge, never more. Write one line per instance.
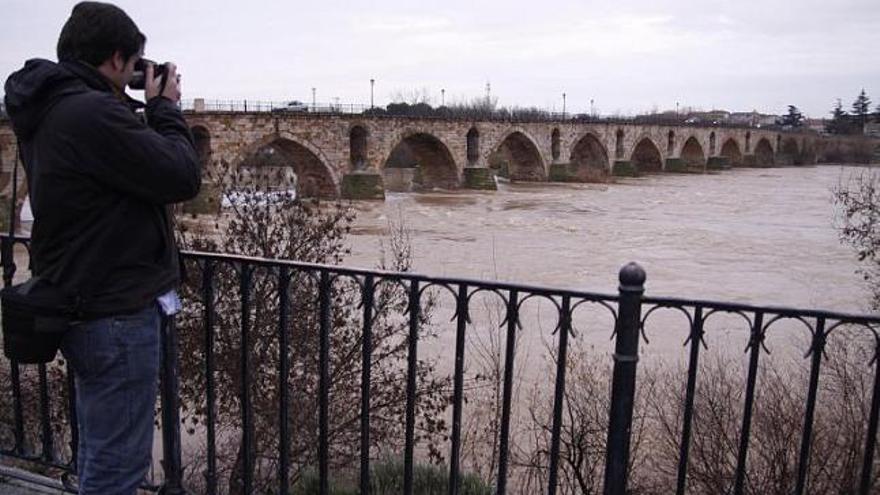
(361, 156)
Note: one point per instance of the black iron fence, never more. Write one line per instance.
(32, 436)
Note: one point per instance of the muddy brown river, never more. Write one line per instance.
(763, 236)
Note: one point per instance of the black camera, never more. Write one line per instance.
(139, 78)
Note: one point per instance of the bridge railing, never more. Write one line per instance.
(32, 435)
(524, 115)
(282, 107)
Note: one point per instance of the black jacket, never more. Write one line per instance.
(99, 180)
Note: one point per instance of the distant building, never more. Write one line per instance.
(765, 120)
(708, 117)
(753, 118)
(744, 118)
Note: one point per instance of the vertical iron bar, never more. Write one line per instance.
(696, 337)
(48, 453)
(8, 273)
(564, 329)
(72, 416)
(170, 399)
(7, 251)
(504, 447)
(756, 339)
(458, 390)
(409, 447)
(283, 372)
(208, 298)
(18, 412)
(366, 362)
(623, 388)
(871, 437)
(14, 189)
(817, 348)
(324, 386)
(247, 434)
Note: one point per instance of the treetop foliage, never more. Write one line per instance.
(844, 123)
(794, 118)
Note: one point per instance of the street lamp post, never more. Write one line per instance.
(443, 97)
(563, 106)
(313, 100)
(372, 83)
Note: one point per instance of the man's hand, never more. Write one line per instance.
(154, 84)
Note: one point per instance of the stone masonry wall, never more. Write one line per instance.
(234, 136)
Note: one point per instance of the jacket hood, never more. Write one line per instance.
(33, 90)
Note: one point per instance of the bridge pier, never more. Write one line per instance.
(750, 160)
(624, 168)
(784, 160)
(675, 165)
(363, 185)
(561, 172)
(718, 163)
(479, 178)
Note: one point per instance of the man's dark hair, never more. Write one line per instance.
(95, 31)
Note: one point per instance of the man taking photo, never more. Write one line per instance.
(100, 181)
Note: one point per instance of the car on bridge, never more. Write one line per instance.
(292, 106)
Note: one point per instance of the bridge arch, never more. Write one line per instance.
(358, 147)
(555, 151)
(473, 145)
(730, 150)
(202, 142)
(520, 155)
(427, 157)
(589, 159)
(314, 176)
(764, 153)
(789, 153)
(808, 151)
(646, 157)
(692, 155)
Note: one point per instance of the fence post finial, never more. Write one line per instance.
(623, 387)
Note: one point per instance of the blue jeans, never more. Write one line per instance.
(116, 366)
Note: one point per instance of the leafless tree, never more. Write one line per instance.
(280, 226)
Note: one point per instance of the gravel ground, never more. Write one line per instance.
(16, 487)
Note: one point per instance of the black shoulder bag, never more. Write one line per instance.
(35, 317)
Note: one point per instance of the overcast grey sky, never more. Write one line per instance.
(629, 56)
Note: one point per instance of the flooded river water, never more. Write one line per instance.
(763, 236)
